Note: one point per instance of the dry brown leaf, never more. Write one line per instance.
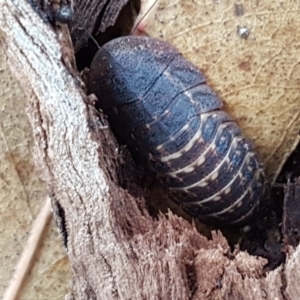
(147, 240)
(258, 77)
(22, 194)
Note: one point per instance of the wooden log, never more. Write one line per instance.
(117, 251)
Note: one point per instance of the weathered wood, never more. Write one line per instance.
(291, 212)
(116, 249)
(96, 17)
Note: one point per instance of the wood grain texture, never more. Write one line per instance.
(22, 195)
(117, 251)
(95, 17)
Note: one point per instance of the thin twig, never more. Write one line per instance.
(27, 258)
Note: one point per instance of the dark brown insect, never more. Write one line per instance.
(160, 106)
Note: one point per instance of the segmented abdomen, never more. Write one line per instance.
(159, 105)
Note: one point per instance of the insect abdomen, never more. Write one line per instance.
(159, 105)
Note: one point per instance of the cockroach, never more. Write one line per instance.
(160, 106)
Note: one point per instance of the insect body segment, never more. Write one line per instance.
(160, 106)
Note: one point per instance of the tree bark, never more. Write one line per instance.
(117, 251)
